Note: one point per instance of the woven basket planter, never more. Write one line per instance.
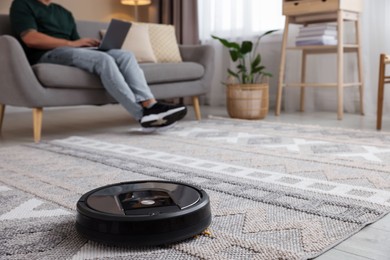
(247, 101)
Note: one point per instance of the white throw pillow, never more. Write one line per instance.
(164, 43)
(138, 42)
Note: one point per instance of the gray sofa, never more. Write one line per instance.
(50, 85)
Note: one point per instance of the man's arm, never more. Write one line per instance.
(37, 40)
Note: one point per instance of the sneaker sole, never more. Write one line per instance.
(156, 117)
(167, 120)
(149, 130)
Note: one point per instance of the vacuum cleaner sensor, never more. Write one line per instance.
(143, 213)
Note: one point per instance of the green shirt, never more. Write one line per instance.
(52, 19)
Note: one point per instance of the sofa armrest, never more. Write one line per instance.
(19, 86)
(204, 55)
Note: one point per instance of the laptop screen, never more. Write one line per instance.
(115, 35)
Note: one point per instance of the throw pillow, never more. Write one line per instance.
(138, 42)
(164, 43)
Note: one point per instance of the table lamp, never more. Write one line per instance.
(136, 3)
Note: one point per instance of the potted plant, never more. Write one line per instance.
(247, 87)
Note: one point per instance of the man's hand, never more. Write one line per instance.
(37, 40)
(84, 42)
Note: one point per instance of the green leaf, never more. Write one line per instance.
(246, 47)
(264, 34)
(256, 62)
(241, 67)
(233, 73)
(268, 32)
(234, 55)
(256, 70)
(226, 43)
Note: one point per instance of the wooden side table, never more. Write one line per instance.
(315, 11)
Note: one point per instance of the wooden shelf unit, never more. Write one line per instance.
(316, 11)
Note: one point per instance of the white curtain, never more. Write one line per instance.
(237, 20)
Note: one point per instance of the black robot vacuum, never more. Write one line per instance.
(143, 213)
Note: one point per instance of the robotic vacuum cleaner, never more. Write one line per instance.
(143, 213)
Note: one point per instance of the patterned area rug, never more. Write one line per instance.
(277, 191)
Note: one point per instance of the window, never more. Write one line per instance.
(238, 18)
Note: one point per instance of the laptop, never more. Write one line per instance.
(115, 35)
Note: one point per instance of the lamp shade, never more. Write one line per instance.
(136, 2)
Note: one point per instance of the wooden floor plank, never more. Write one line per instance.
(370, 242)
(383, 224)
(340, 255)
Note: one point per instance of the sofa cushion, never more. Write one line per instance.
(172, 72)
(59, 76)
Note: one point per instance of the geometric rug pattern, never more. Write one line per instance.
(277, 191)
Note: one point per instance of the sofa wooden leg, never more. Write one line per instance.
(2, 110)
(37, 123)
(195, 103)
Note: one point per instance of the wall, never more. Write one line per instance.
(94, 10)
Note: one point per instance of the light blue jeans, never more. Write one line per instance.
(118, 70)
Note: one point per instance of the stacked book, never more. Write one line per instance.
(317, 34)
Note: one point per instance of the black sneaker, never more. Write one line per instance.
(160, 115)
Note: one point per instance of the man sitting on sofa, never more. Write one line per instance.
(48, 34)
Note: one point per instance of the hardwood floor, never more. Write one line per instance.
(373, 242)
